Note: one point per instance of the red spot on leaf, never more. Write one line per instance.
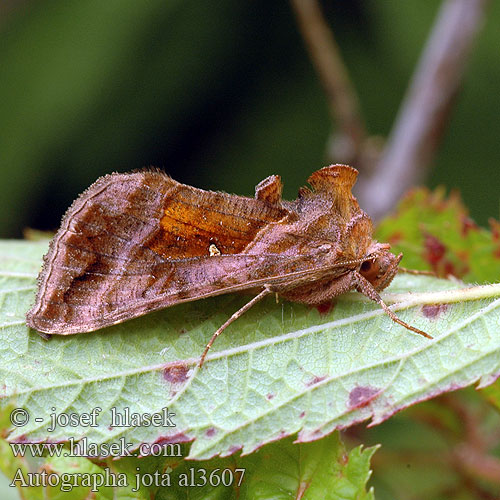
(435, 250)
(270, 396)
(467, 225)
(432, 311)
(449, 268)
(495, 232)
(179, 437)
(361, 396)
(315, 380)
(211, 431)
(175, 373)
(435, 253)
(302, 414)
(234, 449)
(176, 438)
(495, 229)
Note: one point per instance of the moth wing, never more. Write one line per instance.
(191, 220)
(137, 242)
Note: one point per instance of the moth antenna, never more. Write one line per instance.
(242, 310)
(365, 287)
(417, 272)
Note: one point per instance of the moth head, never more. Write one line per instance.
(380, 265)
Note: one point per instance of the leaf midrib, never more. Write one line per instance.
(402, 359)
(274, 340)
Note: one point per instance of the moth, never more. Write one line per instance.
(137, 242)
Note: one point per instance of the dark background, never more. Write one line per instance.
(218, 94)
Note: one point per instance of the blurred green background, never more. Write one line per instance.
(218, 94)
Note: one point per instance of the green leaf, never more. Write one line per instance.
(435, 232)
(10, 464)
(492, 394)
(76, 478)
(318, 470)
(79, 478)
(279, 370)
(313, 471)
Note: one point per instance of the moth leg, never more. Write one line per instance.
(318, 294)
(365, 287)
(234, 317)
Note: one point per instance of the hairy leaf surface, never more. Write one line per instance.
(281, 369)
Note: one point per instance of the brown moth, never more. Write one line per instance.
(138, 242)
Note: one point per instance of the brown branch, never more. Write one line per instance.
(343, 102)
(424, 113)
(477, 464)
(471, 458)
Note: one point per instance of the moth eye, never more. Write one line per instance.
(366, 266)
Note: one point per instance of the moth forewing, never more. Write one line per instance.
(135, 243)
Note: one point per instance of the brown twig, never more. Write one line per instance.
(471, 456)
(469, 445)
(477, 464)
(418, 128)
(343, 102)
